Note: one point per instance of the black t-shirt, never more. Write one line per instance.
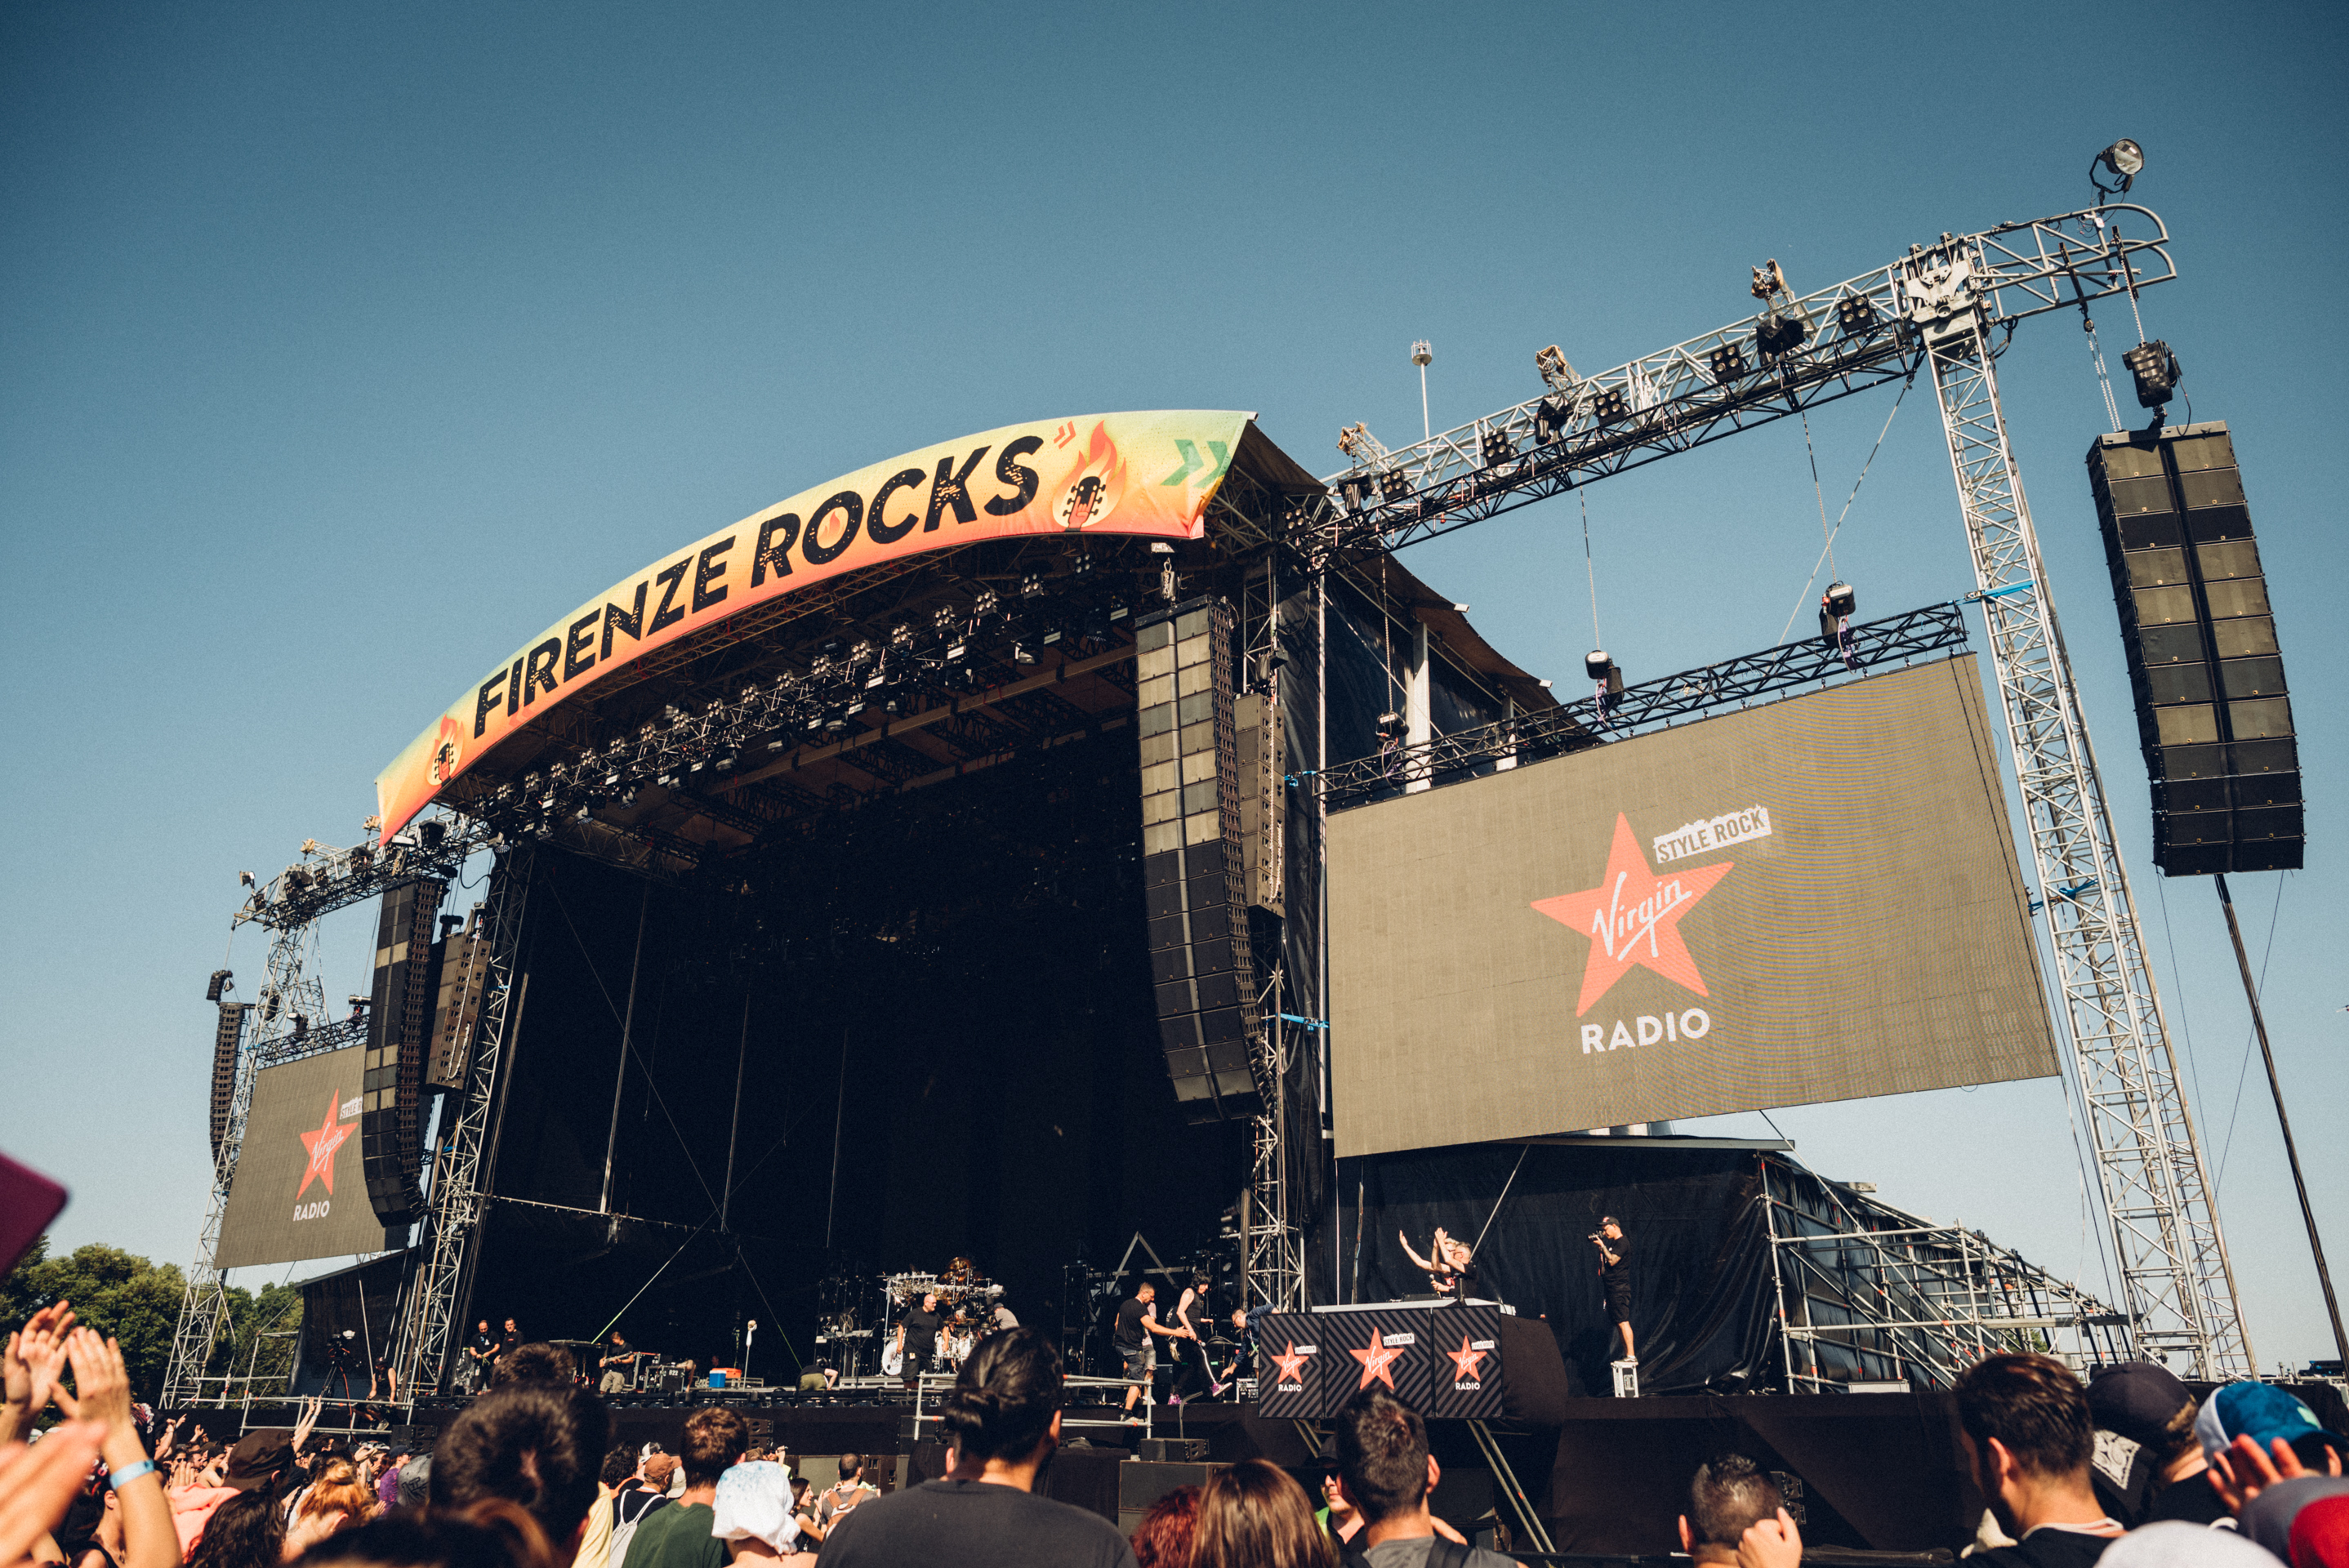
(921, 1332)
(509, 1340)
(1129, 1332)
(2192, 1498)
(974, 1524)
(484, 1344)
(2046, 1547)
(1618, 1273)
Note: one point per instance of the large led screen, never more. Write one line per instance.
(1814, 900)
(299, 1192)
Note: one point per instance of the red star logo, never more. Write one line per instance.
(1634, 917)
(1293, 1364)
(1378, 1361)
(1465, 1361)
(322, 1145)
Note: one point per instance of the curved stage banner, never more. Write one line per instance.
(1145, 474)
(1814, 900)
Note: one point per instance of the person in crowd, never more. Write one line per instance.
(39, 1484)
(1337, 1514)
(2255, 1435)
(1388, 1474)
(1728, 1495)
(480, 1353)
(1002, 1420)
(646, 1490)
(537, 1362)
(2271, 1519)
(491, 1533)
(261, 1462)
(851, 1492)
(2024, 1424)
(1252, 1515)
(387, 1481)
(2149, 1463)
(917, 1338)
(680, 1535)
(336, 1500)
(246, 1531)
(1163, 1536)
(756, 1517)
(536, 1444)
(2176, 1543)
(619, 1470)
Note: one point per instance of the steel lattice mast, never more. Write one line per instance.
(1942, 308)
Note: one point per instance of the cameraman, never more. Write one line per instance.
(1615, 1277)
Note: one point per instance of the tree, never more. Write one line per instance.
(116, 1293)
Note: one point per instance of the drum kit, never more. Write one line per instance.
(965, 1303)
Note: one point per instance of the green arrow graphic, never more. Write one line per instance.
(1193, 462)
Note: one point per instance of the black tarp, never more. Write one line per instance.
(1693, 1216)
(361, 1301)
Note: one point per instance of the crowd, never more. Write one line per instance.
(2128, 1471)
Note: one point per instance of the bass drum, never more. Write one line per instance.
(892, 1360)
(958, 1349)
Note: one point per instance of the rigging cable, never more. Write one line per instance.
(2245, 1070)
(1826, 555)
(1590, 569)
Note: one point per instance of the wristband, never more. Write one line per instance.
(115, 1479)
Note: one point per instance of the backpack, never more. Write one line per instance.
(624, 1523)
(1440, 1554)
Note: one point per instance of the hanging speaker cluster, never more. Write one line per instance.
(1194, 861)
(399, 1026)
(2213, 714)
(228, 1036)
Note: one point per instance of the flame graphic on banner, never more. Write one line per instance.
(448, 751)
(1095, 489)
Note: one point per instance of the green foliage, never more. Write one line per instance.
(112, 1291)
(138, 1303)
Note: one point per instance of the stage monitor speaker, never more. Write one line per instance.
(1194, 861)
(228, 1035)
(2213, 716)
(463, 963)
(399, 1019)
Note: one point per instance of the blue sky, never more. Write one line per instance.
(345, 346)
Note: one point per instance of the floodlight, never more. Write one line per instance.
(1498, 448)
(1727, 364)
(2123, 159)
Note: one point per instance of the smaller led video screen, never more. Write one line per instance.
(299, 1192)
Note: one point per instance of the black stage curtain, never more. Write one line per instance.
(1701, 1249)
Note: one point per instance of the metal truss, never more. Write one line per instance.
(326, 880)
(1572, 727)
(1859, 333)
(458, 1200)
(1869, 1293)
(291, 999)
(2177, 1282)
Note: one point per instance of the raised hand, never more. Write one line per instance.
(2240, 1471)
(1771, 1543)
(38, 1484)
(36, 1358)
(101, 1383)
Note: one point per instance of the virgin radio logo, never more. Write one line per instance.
(1633, 917)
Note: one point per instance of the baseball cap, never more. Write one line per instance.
(258, 1459)
(2132, 1404)
(2261, 1412)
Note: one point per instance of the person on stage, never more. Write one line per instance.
(480, 1353)
(1137, 1325)
(617, 1358)
(917, 1338)
(1195, 1318)
(1614, 1275)
(1450, 1270)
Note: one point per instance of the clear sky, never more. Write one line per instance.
(343, 347)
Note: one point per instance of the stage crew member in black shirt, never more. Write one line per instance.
(917, 1338)
(1615, 1275)
(1002, 1422)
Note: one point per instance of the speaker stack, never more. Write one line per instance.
(400, 1030)
(227, 1037)
(1194, 859)
(2213, 714)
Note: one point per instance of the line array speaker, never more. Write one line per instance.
(399, 1019)
(227, 1037)
(463, 963)
(2213, 714)
(1194, 859)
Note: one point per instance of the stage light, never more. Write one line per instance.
(1778, 335)
(1498, 448)
(1609, 406)
(1394, 485)
(2123, 159)
(2156, 370)
(1727, 364)
(1595, 664)
(1121, 611)
(1606, 677)
(1855, 316)
(1031, 585)
(218, 983)
(245, 879)
(1392, 726)
(1020, 655)
(1551, 416)
(435, 834)
(1355, 491)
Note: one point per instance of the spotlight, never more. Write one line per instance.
(1778, 335)
(1727, 364)
(1356, 490)
(1498, 448)
(1855, 316)
(1394, 485)
(218, 983)
(2123, 160)
(1551, 416)
(1609, 406)
(2156, 372)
